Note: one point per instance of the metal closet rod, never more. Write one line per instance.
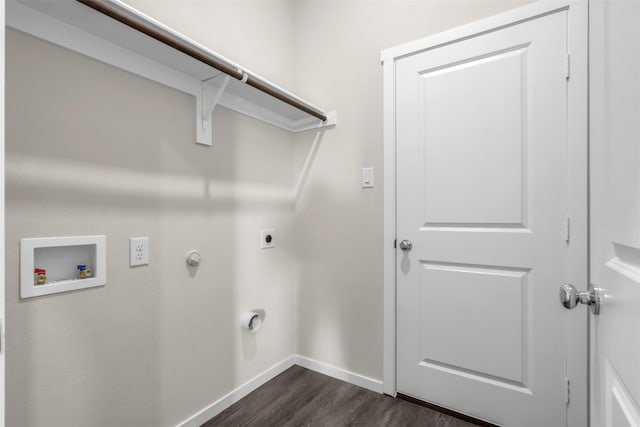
(196, 53)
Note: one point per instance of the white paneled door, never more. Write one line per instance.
(615, 211)
(481, 146)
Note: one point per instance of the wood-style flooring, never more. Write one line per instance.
(300, 397)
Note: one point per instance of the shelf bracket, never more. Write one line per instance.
(205, 104)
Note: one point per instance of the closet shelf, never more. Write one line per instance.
(113, 32)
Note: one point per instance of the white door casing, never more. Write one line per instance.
(486, 233)
(2, 285)
(615, 211)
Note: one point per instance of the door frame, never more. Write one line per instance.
(577, 182)
(2, 284)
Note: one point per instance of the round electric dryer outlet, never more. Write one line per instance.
(267, 238)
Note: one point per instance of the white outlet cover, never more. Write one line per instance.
(138, 251)
(267, 238)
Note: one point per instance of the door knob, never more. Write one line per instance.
(570, 297)
(406, 245)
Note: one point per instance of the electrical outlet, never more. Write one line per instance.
(138, 251)
(267, 237)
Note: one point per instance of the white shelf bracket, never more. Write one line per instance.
(74, 26)
(205, 104)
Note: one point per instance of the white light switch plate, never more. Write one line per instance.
(138, 251)
(367, 177)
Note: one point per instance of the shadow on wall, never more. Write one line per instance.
(303, 174)
(327, 323)
(114, 154)
(336, 234)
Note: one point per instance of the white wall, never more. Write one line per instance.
(94, 150)
(256, 34)
(338, 240)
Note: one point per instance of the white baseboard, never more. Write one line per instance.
(339, 373)
(229, 399)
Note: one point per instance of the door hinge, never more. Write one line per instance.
(567, 390)
(567, 229)
(568, 67)
(395, 243)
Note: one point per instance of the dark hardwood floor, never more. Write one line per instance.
(300, 397)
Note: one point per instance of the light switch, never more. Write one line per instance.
(367, 177)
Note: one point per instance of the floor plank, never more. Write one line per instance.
(301, 397)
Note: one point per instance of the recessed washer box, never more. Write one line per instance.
(60, 258)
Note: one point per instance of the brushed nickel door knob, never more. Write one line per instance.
(406, 245)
